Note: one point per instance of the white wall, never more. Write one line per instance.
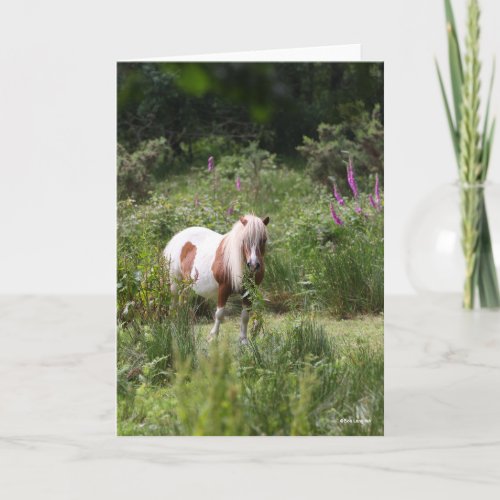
(57, 135)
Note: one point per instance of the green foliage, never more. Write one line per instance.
(362, 139)
(350, 280)
(294, 379)
(143, 280)
(136, 170)
(209, 398)
(199, 149)
(151, 352)
(254, 295)
(275, 104)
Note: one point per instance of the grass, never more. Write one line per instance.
(299, 377)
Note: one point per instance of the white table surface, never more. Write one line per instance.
(57, 417)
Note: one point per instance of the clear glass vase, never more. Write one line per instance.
(453, 244)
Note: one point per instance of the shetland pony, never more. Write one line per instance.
(215, 263)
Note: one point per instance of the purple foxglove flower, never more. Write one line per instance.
(377, 190)
(358, 210)
(351, 179)
(338, 196)
(372, 202)
(196, 201)
(238, 184)
(335, 217)
(230, 210)
(211, 164)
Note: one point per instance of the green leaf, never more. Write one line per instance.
(485, 143)
(453, 129)
(450, 18)
(487, 151)
(489, 295)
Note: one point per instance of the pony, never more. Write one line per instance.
(215, 263)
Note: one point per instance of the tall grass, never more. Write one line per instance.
(295, 380)
(153, 351)
(351, 280)
(346, 281)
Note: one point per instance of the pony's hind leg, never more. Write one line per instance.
(173, 276)
(224, 291)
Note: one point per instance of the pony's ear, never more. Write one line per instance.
(243, 220)
(265, 220)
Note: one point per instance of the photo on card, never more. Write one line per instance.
(250, 248)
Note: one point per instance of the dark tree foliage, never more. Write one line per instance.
(274, 103)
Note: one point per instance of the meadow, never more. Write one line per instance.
(315, 356)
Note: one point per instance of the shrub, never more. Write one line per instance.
(209, 399)
(135, 170)
(364, 141)
(151, 351)
(210, 145)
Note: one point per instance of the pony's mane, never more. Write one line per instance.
(251, 233)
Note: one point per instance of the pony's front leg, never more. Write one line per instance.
(224, 292)
(245, 316)
(219, 316)
(244, 325)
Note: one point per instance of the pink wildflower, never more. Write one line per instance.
(338, 195)
(211, 164)
(238, 184)
(377, 191)
(351, 179)
(335, 217)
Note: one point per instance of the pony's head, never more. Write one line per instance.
(244, 247)
(254, 238)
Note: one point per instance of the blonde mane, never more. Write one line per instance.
(251, 233)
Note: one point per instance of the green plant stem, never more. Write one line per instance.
(480, 271)
(489, 294)
(471, 202)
